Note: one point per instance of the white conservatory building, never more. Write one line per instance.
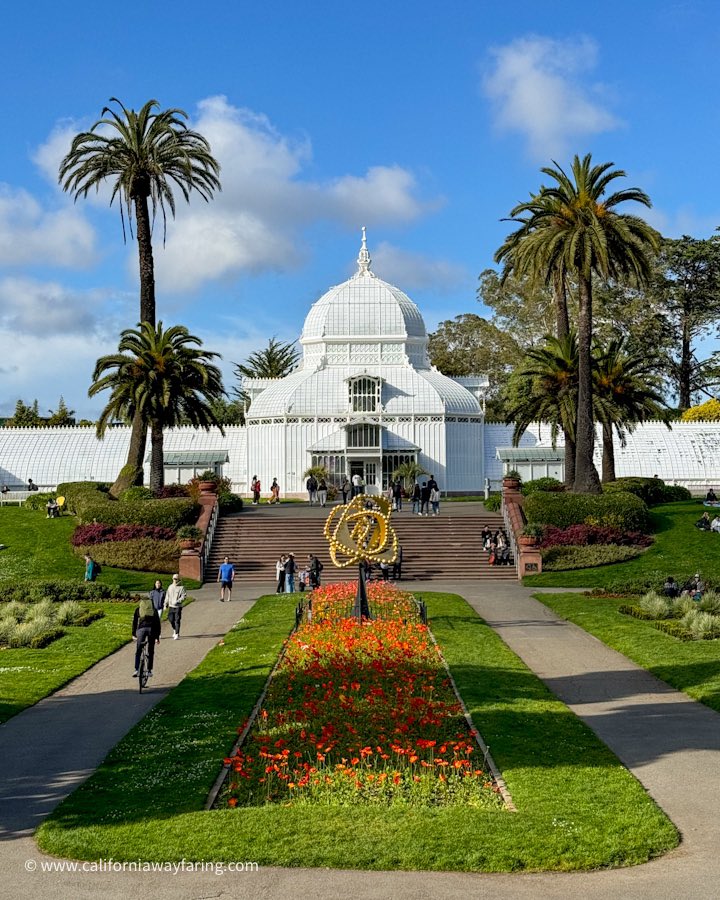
(365, 397)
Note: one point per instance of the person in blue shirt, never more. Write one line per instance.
(226, 576)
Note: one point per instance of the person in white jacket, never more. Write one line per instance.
(174, 599)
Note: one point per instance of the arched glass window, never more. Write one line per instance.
(361, 436)
(364, 394)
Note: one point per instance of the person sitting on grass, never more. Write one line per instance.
(710, 496)
(145, 627)
(703, 523)
(670, 588)
(715, 524)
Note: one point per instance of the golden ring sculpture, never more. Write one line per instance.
(361, 530)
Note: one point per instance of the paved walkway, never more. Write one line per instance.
(671, 743)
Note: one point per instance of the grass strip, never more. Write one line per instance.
(27, 676)
(680, 549)
(578, 807)
(39, 548)
(689, 666)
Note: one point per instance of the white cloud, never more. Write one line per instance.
(31, 235)
(536, 89)
(46, 308)
(414, 271)
(685, 220)
(255, 223)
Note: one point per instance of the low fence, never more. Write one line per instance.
(406, 609)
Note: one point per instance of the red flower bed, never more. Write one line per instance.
(582, 535)
(336, 601)
(360, 713)
(97, 533)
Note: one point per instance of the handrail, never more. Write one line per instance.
(511, 535)
(209, 535)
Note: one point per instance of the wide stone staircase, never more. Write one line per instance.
(443, 547)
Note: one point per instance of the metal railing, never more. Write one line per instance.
(412, 609)
(510, 535)
(209, 535)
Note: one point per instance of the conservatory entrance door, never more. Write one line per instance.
(368, 471)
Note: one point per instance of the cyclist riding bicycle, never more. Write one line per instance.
(145, 627)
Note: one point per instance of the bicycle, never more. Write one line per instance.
(144, 667)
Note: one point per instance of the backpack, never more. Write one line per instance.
(146, 609)
(97, 569)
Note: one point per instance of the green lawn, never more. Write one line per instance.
(679, 550)
(27, 676)
(39, 548)
(578, 807)
(689, 666)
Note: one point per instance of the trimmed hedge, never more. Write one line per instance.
(141, 554)
(230, 503)
(171, 513)
(38, 501)
(616, 510)
(542, 484)
(60, 591)
(651, 491)
(562, 559)
(137, 492)
(85, 535)
(76, 492)
(583, 535)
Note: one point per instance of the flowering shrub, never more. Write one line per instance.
(335, 601)
(139, 554)
(360, 713)
(172, 490)
(582, 535)
(97, 533)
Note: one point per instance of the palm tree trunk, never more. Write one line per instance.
(562, 319)
(608, 458)
(586, 476)
(569, 462)
(147, 263)
(132, 472)
(157, 470)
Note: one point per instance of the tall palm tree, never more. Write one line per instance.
(625, 394)
(572, 228)
(143, 156)
(160, 378)
(544, 389)
(409, 472)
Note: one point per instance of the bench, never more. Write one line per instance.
(18, 497)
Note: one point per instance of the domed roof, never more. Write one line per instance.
(366, 308)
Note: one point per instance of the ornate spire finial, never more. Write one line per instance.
(363, 259)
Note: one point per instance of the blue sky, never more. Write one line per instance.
(425, 122)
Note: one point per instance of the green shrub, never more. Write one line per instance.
(700, 625)
(654, 605)
(681, 606)
(636, 613)
(493, 503)
(25, 633)
(68, 611)
(87, 618)
(38, 501)
(231, 503)
(77, 491)
(651, 491)
(616, 510)
(674, 629)
(141, 554)
(12, 593)
(171, 513)
(138, 492)
(561, 558)
(710, 603)
(542, 484)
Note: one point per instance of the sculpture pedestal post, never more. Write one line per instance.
(361, 609)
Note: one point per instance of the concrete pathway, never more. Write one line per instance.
(671, 743)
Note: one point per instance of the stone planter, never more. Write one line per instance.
(187, 544)
(527, 540)
(511, 484)
(207, 487)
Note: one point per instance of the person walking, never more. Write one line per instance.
(280, 574)
(311, 486)
(256, 487)
(424, 499)
(92, 569)
(274, 491)
(416, 499)
(226, 576)
(397, 494)
(356, 484)
(145, 627)
(157, 595)
(322, 491)
(435, 501)
(290, 570)
(174, 600)
(346, 488)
